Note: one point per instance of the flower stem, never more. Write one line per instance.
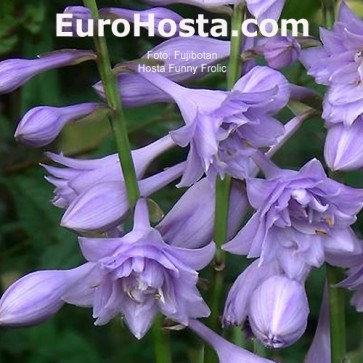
(328, 10)
(117, 117)
(161, 343)
(337, 315)
(223, 186)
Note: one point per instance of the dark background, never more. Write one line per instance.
(30, 237)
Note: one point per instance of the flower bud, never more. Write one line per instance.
(278, 312)
(279, 51)
(343, 150)
(15, 72)
(41, 125)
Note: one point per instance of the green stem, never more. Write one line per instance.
(161, 343)
(328, 9)
(223, 186)
(337, 315)
(117, 117)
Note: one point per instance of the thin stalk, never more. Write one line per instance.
(117, 117)
(328, 10)
(223, 186)
(161, 342)
(337, 315)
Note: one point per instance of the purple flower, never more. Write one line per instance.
(343, 148)
(39, 295)
(319, 350)
(227, 352)
(222, 127)
(278, 312)
(354, 281)
(79, 176)
(134, 276)
(279, 51)
(190, 223)
(338, 63)
(105, 205)
(41, 125)
(246, 307)
(300, 213)
(82, 13)
(15, 72)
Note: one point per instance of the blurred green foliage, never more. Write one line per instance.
(30, 236)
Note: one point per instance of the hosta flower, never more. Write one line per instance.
(279, 51)
(41, 125)
(222, 127)
(301, 213)
(278, 312)
(226, 351)
(79, 175)
(39, 295)
(190, 223)
(134, 277)
(15, 72)
(246, 305)
(105, 205)
(338, 63)
(343, 148)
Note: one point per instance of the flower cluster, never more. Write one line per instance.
(302, 218)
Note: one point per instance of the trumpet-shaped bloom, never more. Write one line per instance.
(105, 205)
(222, 127)
(79, 176)
(39, 295)
(304, 214)
(226, 351)
(190, 223)
(134, 276)
(15, 72)
(41, 125)
(338, 63)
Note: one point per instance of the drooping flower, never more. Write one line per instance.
(83, 14)
(301, 213)
(105, 205)
(278, 312)
(41, 125)
(190, 223)
(39, 295)
(15, 72)
(245, 305)
(279, 51)
(227, 352)
(222, 127)
(338, 63)
(134, 276)
(79, 176)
